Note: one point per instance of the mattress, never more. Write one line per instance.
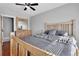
(53, 47)
(38, 42)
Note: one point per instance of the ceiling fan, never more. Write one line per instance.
(28, 5)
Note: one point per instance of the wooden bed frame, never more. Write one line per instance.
(65, 26)
(21, 48)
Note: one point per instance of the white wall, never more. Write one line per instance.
(60, 14)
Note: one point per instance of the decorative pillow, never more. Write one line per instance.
(50, 32)
(45, 37)
(41, 35)
(66, 34)
(61, 33)
(50, 37)
(46, 32)
(63, 39)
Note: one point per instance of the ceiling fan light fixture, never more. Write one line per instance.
(28, 5)
(25, 8)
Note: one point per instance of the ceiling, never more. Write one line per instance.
(16, 10)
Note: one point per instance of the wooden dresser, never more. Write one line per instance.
(22, 28)
(23, 33)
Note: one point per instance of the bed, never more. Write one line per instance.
(37, 45)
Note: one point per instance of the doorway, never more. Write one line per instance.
(7, 28)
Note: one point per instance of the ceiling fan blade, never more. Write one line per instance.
(20, 4)
(32, 8)
(25, 8)
(34, 4)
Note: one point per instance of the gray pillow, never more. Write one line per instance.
(46, 32)
(61, 33)
(41, 35)
(52, 32)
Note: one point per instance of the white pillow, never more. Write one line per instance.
(63, 39)
(65, 34)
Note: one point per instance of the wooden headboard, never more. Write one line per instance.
(65, 26)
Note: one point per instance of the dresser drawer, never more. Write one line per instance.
(22, 33)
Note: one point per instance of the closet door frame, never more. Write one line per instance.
(1, 35)
(2, 23)
(14, 18)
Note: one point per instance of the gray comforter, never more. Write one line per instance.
(54, 47)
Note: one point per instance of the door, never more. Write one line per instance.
(7, 28)
(0, 36)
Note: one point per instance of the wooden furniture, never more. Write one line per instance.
(21, 23)
(25, 49)
(22, 27)
(23, 33)
(28, 49)
(65, 26)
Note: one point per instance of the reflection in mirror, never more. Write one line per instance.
(22, 24)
